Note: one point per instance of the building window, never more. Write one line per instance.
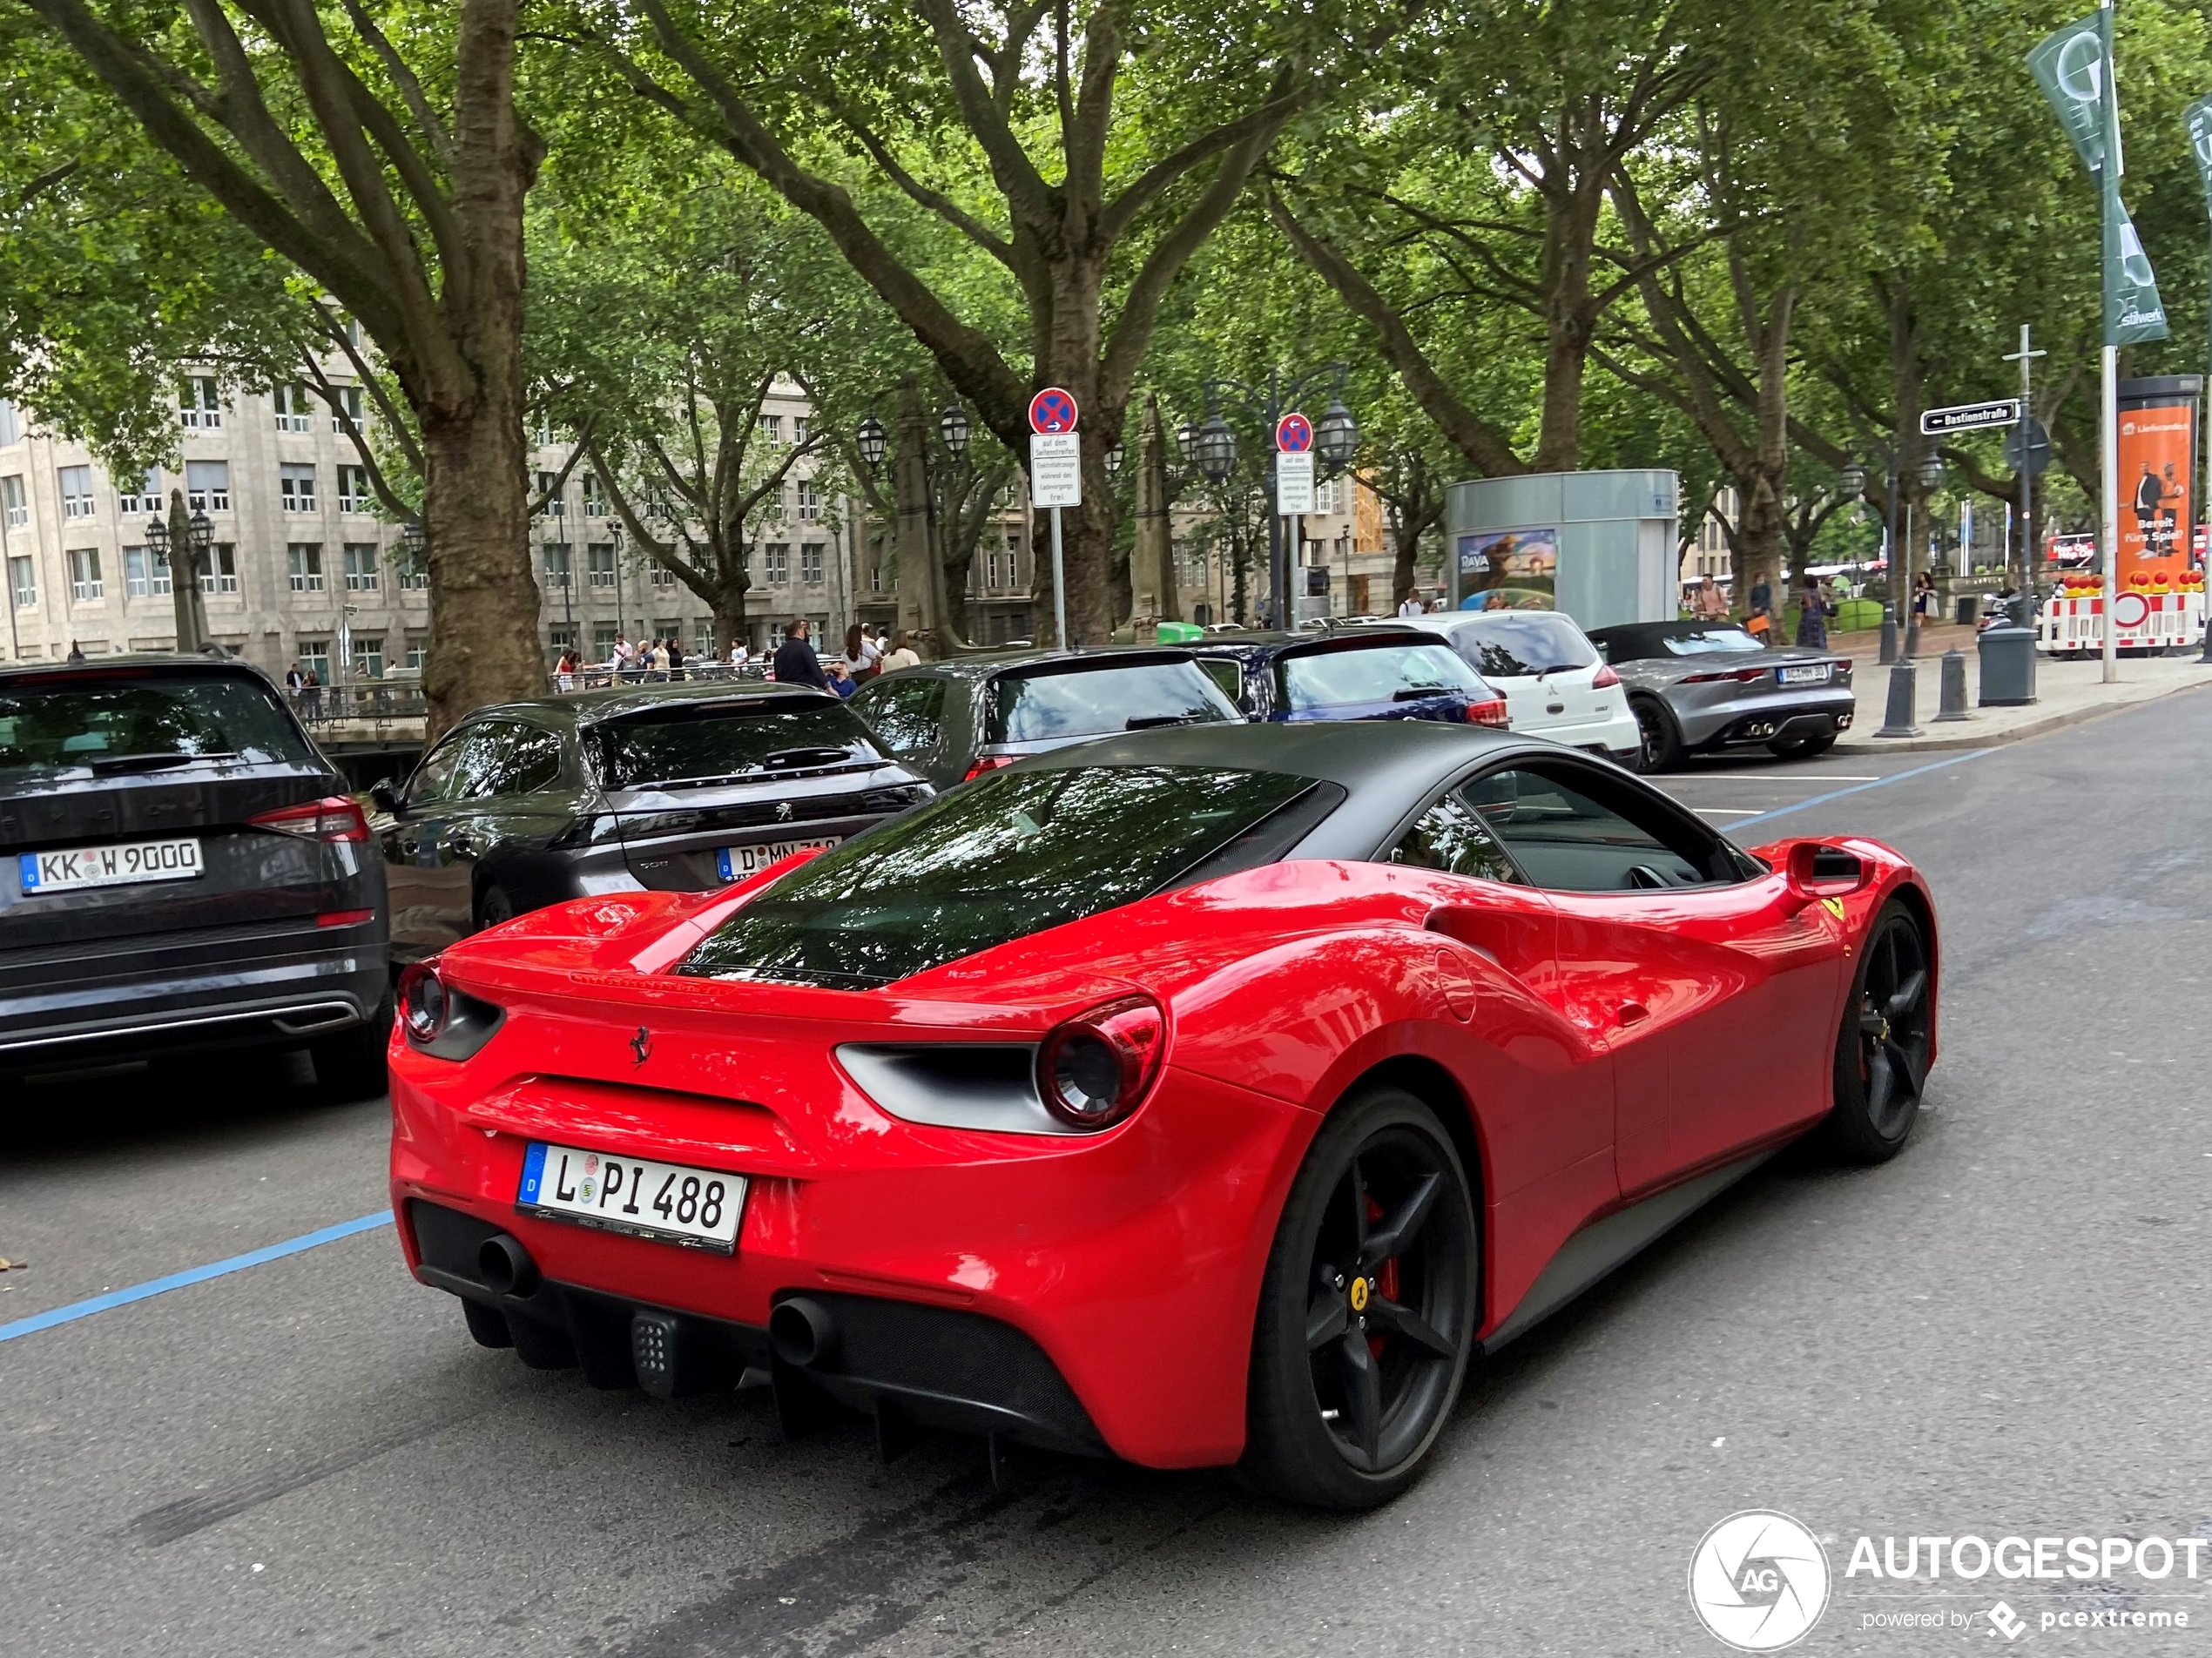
(314, 658)
(418, 650)
(147, 499)
(76, 491)
(146, 573)
(199, 403)
(291, 409)
(220, 574)
(10, 427)
(600, 556)
(23, 582)
(85, 583)
(556, 563)
(772, 428)
(603, 641)
(353, 489)
(208, 486)
(809, 502)
(305, 561)
(778, 564)
(559, 636)
(549, 490)
(667, 627)
(297, 487)
(13, 505)
(369, 656)
(414, 581)
(361, 567)
(349, 400)
(595, 497)
(660, 575)
(703, 637)
(810, 562)
(799, 429)
(875, 578)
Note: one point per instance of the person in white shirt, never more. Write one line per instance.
(738, 654)
(625, 656)
(901, 654)
(1412, 605)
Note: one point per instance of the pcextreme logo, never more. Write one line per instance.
(1758, 1582)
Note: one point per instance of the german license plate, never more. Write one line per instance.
(119, 866)
(737, 862)
(1813, 673)
(666, 1201)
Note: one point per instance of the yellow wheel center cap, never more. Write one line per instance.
(1359, 1295)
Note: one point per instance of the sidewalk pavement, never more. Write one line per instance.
(2066, 692)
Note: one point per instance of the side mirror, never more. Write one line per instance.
(385, 796)
(1825, 872)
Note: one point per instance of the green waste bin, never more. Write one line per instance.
(1180, 633)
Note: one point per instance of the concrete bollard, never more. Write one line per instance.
(1954, 686)
(1905, 694)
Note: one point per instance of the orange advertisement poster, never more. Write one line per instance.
(2155, 494)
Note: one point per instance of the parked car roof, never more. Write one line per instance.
(612, 701)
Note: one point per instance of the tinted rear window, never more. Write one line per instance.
(1373, 674)
(1011, 854)
(703, 741)
(1525, 642)
(1092, 701)
(102, 724)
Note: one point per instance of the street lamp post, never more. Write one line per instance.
(1267, 405)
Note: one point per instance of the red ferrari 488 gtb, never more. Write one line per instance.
(1202, 1097)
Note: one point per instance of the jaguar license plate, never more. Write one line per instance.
(737, 862)
(1814, 673)
(667, 1201)
(117, 866)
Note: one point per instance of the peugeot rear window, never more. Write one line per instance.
(1521, 642)
(154, 721)
(1013, 853)
(1372, 674)
(681, 743)
(1058, 702)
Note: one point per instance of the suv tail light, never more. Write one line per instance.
(1490, 713)
(333, 818)
(1606, 678)
(1093, 1070)
(987, 763)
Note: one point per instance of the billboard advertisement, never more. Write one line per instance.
(1509, 569)
(2157, 452)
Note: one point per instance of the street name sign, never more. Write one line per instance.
(1970, 417)
(1294, 483)
(1052, 410)
(1056, 469)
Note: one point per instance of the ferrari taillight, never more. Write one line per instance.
(1490, 713)
(422, 1000)
(333, 818)
(987, 762)
(1606, 678)
(1093, 1070)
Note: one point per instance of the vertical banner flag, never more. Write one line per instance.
(2198, 117)
(2072, 65)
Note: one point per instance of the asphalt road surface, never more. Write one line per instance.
(2007, 1330)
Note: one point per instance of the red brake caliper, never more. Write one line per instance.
(1385, 1276)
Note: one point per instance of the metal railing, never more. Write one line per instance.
(598, 676)
(371, 703)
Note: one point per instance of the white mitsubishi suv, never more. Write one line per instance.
(1556, 682)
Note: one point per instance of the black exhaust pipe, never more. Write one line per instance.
(505, 1266)
(803, 1332)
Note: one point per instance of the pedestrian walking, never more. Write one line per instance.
(1758, 620)
(1812, 616)
(862, 653)
(1923, 595)
(1710, 603)
(311, 693)
(295, 680)
(1411, 605)
(624, 656)
(796, 662)
(901, 654)
(675, 658)
(565, 669)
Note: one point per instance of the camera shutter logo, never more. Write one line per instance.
(1758, 1582)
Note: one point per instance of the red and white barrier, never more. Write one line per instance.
(2074, 622)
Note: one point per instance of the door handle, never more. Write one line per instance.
(1633, 1013)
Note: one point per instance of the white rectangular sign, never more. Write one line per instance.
(1293, 482)
(1970, 417)
(1056, 469)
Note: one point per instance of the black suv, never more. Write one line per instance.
(674, 788)
(954, 720)
(188, 872)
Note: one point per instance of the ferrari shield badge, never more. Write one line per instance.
(1834, 907)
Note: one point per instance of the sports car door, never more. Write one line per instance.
(1717, 992)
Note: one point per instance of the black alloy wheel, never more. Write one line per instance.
(494, 907)
(1661, 738)
(1367, 1315)
(1882, 1052)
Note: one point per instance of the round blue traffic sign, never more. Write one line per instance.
(1052, 410)
(1294, 433)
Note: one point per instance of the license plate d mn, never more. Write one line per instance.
(735, 863)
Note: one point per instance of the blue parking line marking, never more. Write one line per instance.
(77, 1309)
(1861, 788)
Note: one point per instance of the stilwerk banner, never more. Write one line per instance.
(2074, 67)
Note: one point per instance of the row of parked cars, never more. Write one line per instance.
(192, 872)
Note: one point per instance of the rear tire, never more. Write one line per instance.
(1367, 1311)
(351, 1064)
(494, 907)
(1661, 736)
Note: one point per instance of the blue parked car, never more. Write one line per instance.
(1371, 674)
